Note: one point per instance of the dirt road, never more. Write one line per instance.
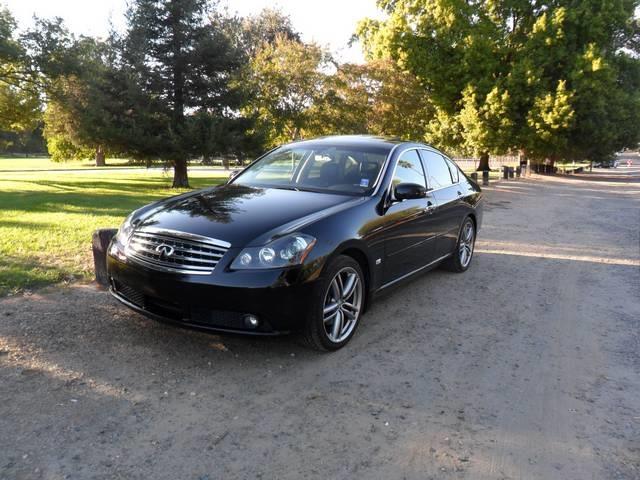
(525, 367)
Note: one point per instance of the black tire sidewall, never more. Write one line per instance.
(315, 323)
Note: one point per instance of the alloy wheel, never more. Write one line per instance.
(465, 248)
(342, 304)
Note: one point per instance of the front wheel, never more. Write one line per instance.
(338, 305)
(462, 255)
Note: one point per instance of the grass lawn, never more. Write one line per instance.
(494, 175)
(563, 167)
(44, 163)
(47, 218)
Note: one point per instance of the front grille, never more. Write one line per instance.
(173, 251)
(129, 293)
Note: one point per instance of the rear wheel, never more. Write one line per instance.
(460, 259)
(338, 305)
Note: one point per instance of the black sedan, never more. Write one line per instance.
(300, 240)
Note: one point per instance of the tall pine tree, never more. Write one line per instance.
(182, 59)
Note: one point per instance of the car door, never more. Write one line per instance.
(449, 198)
(408, 232)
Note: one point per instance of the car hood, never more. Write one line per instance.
(242, 215)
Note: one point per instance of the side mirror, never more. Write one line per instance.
(409, 191)
(233, 174)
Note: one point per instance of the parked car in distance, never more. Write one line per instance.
(301, 240)
(607, 164)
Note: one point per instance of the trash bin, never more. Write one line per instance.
(100, 243)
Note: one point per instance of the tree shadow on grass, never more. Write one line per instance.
(28, 225)
(25, 273)
(100, 197)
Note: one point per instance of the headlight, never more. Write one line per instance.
(283, 252)
(125, 230)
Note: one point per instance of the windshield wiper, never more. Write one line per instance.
(286, 187)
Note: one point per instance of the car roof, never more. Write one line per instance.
(353, 141)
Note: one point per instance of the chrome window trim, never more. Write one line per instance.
(393, 173)
(383, 171)
(395, 168)
(445, 158)
(425, 167)
(452, 163)
(460, 172)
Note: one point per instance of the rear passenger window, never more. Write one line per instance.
(455, 174)
(438, 173)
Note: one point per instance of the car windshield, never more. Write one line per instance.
(323, 168)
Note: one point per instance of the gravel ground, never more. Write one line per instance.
(527, 366)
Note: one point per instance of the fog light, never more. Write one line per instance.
(251, 321)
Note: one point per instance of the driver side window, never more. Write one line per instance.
(409, 169)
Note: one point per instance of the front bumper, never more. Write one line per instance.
(279, 298)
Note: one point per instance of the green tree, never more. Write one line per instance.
(11, 52)
(181, 58)
(79, 112)
(264, 28)
(65, 125)
(543, 77)
(19, 109)
(283, 81)
(375, 98)
(20, 105)
(41, 66)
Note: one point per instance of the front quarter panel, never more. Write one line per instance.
(350, 229)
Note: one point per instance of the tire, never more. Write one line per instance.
(459, 262)
(334, 293)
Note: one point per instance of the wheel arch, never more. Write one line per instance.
(472, 216)
(359, 252)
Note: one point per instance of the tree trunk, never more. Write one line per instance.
(535, 165)
(180, 177)
(483, 164)
(295, 134)
(100, 162)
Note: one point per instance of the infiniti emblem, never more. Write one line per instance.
(164, 250)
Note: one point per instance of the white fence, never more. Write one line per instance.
(495, 162)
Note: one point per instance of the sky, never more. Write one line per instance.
(328, 22)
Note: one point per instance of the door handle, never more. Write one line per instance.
(459, 193)
(430, 208)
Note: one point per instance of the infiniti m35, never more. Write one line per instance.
(301, 240)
